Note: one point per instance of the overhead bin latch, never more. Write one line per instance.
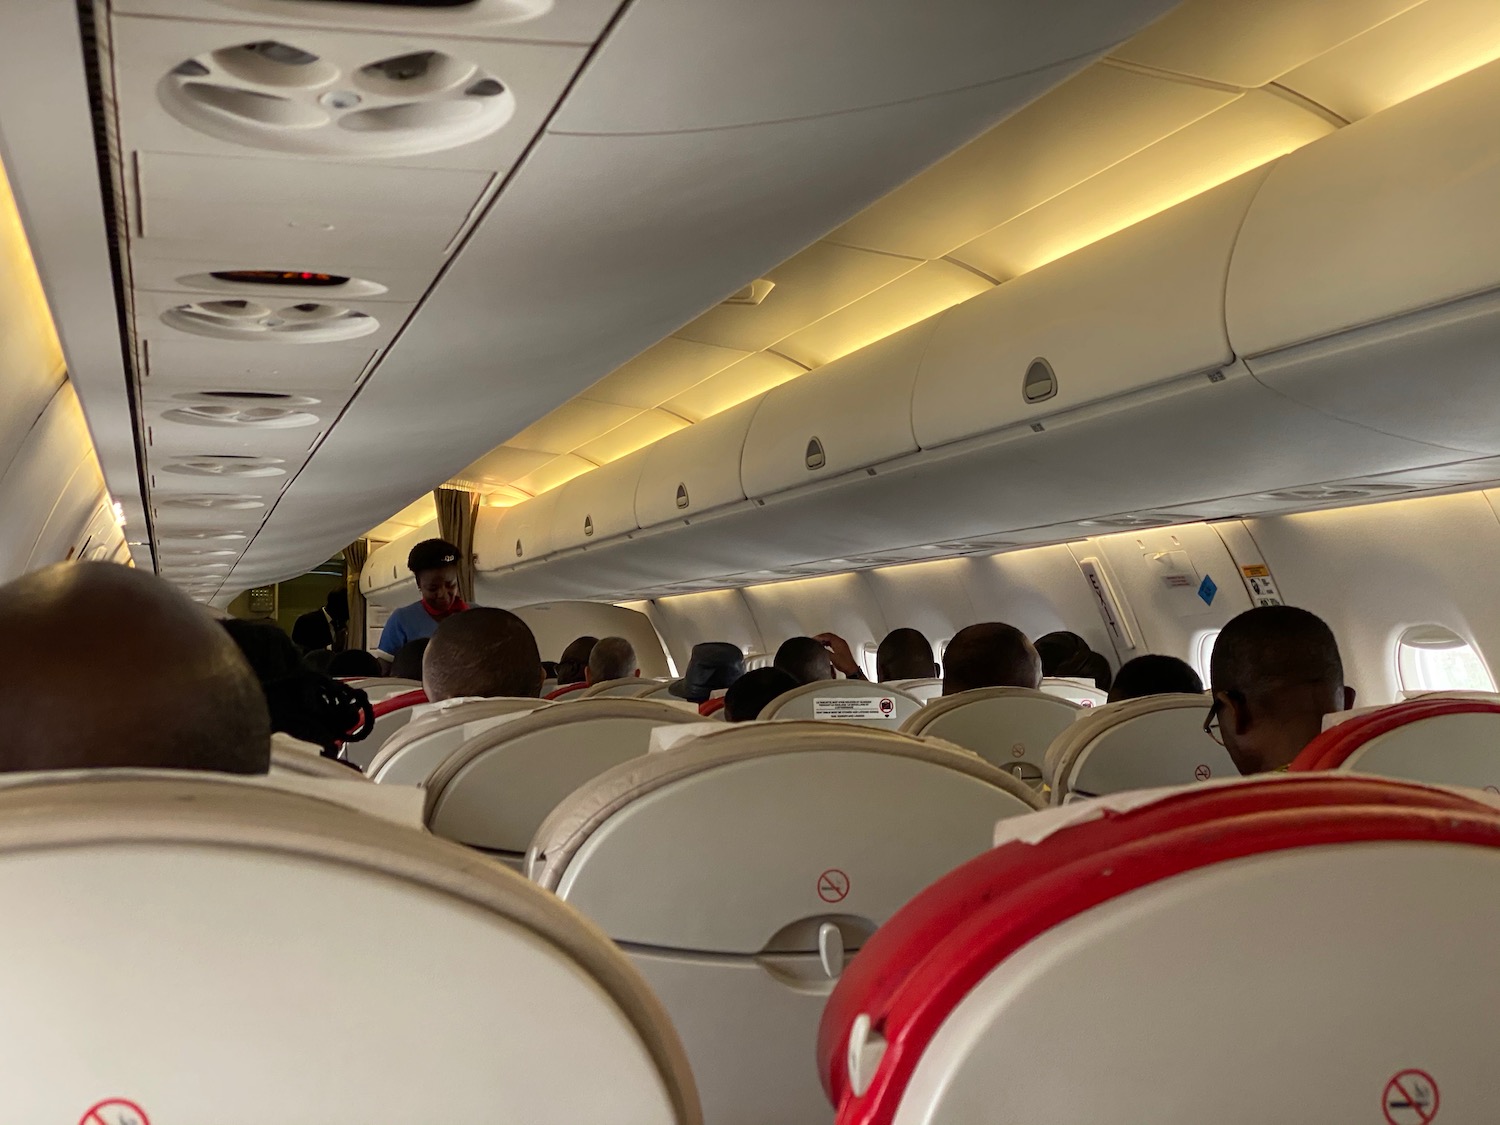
(816, 458)
(1040, 382)
(682, 496)
(519, 552)
(588, 525)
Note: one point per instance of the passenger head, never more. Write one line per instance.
(990, 655)
(303, 703)
(712, 666)
(747, 696)
(1275, 673)
(1068, 656)
(434, 564)
(488, 652)
(1154, 674)
(110, 666)
(337, 605)
(407, 664)
(318, 660)
(573, 666)
(905, 654)
(805, 660)
(613, 658)
(352, 663)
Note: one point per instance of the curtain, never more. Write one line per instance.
(457, 512)
(354, 562)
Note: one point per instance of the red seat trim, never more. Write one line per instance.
(399, 702)
(711, 706)
(558, 693)
(918, 966)
(1334, 746)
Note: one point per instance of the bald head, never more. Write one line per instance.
(991, 654)
(115, 668)
(488, 652)
(905, 654)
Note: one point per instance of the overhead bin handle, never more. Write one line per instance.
(588, 525)
(682, 496)
(816, 458)
(1040, 381)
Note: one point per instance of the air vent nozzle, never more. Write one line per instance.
(1040, 382)
(307, 322)
(227, 465)
(816, 458)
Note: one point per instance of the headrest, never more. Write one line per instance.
(1009, 727)
(567, 691)
(1144, 743)
(399, 702)
(1441, 740)
(303, 759)
(411, 754)
(772, 806)
(631, 687)
(845, 701)
(382, 688)
(494, 790)
(926, 688)
(1016, 988)
(280, 950)
(1082, 692)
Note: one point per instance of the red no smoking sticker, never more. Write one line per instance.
(115, 1111)
(1410, 1098)
(833, 885)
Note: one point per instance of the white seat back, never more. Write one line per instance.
(632, 687)
(740, 868)
(845, 701)
(497, 788)
(926, 689)
(1443, 739)
(384, 687)
(363, 752)
(410, 756)
(302, 759)
(299, 961)
(1009, 727)
(1082, 692)
(1142, 743)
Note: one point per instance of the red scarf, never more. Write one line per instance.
(458, 606)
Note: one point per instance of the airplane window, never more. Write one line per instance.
(1432, 658)
(867, 659)
(1203, 653)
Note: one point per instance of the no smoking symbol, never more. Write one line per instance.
(115, 1111)
(1411, 1098)
(833, 885)
(1203, 773)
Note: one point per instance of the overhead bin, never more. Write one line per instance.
(852, 413)
(506, 536)
(695, 470)
(1366, 281)
(598, 505)
(385, 569)
(1141, 307)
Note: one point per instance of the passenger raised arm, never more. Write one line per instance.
(613, 658)
(991, 654)
(482, 653)
(114, 668)
(1276, 672)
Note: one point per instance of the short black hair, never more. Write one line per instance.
(1272, 647)
(431, 554)
(406, 663)
(804, 659)
(483, 652)
(337, 604)
(353, 662)
(1154, 674)
(573, 665)
(1069, 656)
(747, 696)
(990, 654)
(904, 654)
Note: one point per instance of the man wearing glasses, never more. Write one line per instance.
(1274, 675)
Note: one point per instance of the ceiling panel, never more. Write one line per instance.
(502, 465)
(929, 289)
(554, 473)
(419, 511)
(1096, 118)
(1248, 43)
(1244, 134)
(572, 424)
(1401, 58)
(189, 362)
(643, 429)
(745, 380)
(809, 286)
(665, 369)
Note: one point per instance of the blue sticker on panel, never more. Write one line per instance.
(1207, 590)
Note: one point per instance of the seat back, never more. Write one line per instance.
(1081, 692)
(1021, 986)
(741, 868)
(411, 755)
(1136, 744)
(926, 689)
(302, 759)
(391, 714)
(496, 789)
(1008, 727)
(384, 687)
(845, 701)
(253, 976)
(1434, 739)
(632, 687)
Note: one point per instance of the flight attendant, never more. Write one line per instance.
(434, 564)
